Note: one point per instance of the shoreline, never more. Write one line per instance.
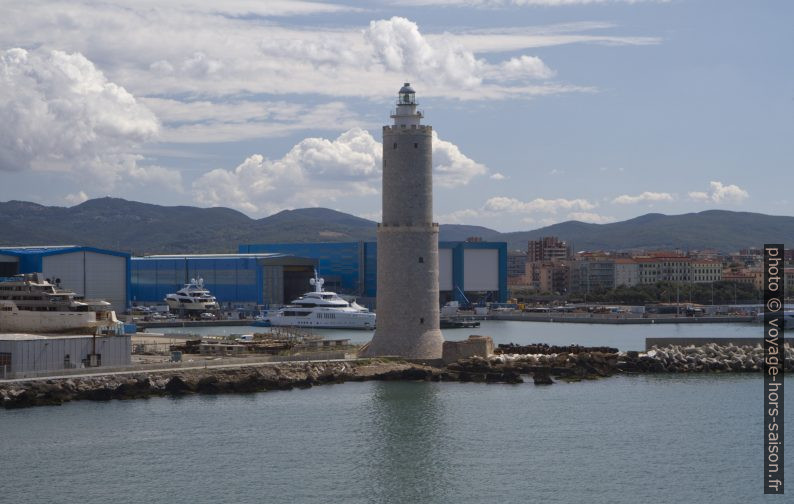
(553, 363)
(618, 320)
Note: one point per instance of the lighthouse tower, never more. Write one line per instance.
(407, 302)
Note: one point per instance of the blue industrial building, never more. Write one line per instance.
(234, 279)
(90, 272)
(471, 271)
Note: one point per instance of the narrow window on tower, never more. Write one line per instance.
(422, 320)
(416, 145)
(421, 259)
(395, 145)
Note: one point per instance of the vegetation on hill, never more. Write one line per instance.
(143, 228)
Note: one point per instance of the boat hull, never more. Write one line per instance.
(320, 320)
(48, 322)
(180, 305)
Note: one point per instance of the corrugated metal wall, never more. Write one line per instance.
(49, 354)
(89, 274)
(230, 280)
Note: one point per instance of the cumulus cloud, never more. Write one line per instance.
(314, 172)
(214, 51)
(76, 198)
(320, 172)
(645, 197)
(720, 193)
(502, 204)
(458, 216)
(497, 176)
(58, 112)
(451, 168)
(590, 217)
(521, 3)
(400, 47)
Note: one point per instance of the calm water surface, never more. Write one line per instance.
(624, 337)
(666, 439)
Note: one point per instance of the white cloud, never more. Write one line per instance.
(522, 3)
(76, 198)
(451, 168)
(522, 67)
(458, 217)
(503, 204)
(320, 172)
(58, 112)
(204, 121)
(593, 218)
(645, 197)
(213, 51)
(401, 48)
(720, 193)
(497, 176)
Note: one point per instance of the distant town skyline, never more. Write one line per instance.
(543, 110)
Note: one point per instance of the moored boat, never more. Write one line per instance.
(31, 304)
(321, 309)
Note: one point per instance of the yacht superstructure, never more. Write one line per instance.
(31, 304)
(192, 297)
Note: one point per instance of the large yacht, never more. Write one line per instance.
(192, 297)
(322, 309)
(31, 304)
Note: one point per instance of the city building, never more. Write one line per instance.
(592, 273)
(547, 249)
(471, 271)
(516, 267)
(549, 276)
(706, 270)
(627, 272)
(664, 267)
(90, 272)
(236, 280)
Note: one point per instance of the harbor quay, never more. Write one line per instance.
(473, 360)
(620, 319)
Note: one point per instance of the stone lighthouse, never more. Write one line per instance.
(408, 302)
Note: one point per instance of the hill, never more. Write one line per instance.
(143, 228)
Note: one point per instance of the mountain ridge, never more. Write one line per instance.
(145, 228)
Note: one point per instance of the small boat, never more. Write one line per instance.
(458, 323)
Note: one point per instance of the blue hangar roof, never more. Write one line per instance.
(45, 250)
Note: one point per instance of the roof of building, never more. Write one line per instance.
(32, 337)
(214, 256)
(45, 250)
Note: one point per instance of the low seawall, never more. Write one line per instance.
(192, 323)
(619, 319)
(698, 342)
(543, 363)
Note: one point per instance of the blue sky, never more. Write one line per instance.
(545, 110)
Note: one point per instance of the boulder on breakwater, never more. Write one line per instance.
(247, 379)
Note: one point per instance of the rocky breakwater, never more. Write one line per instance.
(701, 359)
(249, 379)
(543, 362)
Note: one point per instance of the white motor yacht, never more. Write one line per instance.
(192, 297)
(322, 309)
